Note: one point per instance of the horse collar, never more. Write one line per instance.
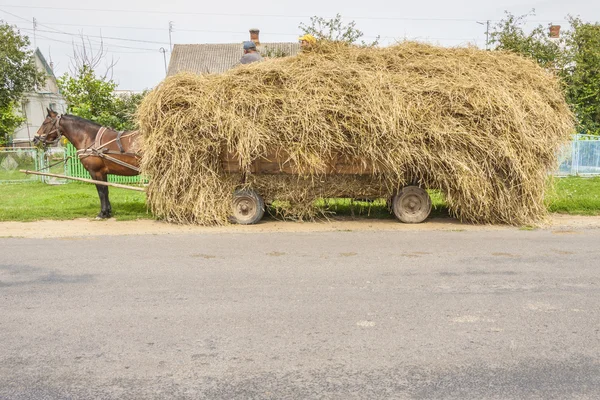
(99, 135)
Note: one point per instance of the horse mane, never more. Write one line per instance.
(79, 119)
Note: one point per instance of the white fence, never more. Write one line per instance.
(14, 159)
(580, 157)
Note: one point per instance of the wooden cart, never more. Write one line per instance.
(410, 204)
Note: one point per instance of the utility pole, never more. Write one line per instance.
(170, 31)
(164, 53)
(34, 38)
(487, 33)
(50, 57)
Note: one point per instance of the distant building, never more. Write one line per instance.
(218, 58)
(34, 105)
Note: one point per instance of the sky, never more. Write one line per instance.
(135, 31)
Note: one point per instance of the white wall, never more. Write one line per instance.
(33, 108)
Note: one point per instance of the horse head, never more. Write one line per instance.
(50, 132)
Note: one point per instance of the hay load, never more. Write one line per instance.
(482, 127)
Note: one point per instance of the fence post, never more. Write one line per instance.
(574, 155)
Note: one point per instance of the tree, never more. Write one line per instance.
(90, 97)
(127, 105)
(93, 97)
(334, 30)
(575, 57)
(508, 34)
(582, 73)
(18, 75)
(10, 120)
(85, 55)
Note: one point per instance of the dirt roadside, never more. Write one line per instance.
(91, 227)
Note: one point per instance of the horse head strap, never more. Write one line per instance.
(56, 128)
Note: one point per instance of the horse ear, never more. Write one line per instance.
(47, 109)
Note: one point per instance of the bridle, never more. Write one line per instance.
(56, 128)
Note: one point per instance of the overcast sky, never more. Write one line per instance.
(145, 24)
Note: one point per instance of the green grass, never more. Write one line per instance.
(15, 176)
(378, 209)
(575, 195)
(33, 201)
(30, 201)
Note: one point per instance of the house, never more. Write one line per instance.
(218, 58)
(33, 106)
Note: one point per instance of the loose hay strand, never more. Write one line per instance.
(482, 127)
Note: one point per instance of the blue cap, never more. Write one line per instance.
(249, 45)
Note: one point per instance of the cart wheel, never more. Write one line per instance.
(411, 205)
(248, 207)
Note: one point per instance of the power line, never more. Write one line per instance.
(171, 29)
(15, 15)
(218, 14)
(107, 49)
(57, 31)
(231, 14)
(259, 15)
(102, 37)
(93, 41)
(105, 26)
(229, 32)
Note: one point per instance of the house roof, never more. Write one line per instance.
(42, 59)
(217, 58)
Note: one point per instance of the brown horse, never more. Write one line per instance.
(102, 151)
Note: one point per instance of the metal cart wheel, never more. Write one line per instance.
(248, 207)
(411, 205)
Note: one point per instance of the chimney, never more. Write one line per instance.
(554, 31)
(254, 36)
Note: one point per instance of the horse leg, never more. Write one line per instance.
(105, 207)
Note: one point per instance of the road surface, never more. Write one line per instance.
(454, 314)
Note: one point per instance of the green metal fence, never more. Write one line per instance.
(75, 169)
(580, 157)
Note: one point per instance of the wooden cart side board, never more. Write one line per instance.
(277, 163)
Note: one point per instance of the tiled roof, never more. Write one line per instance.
(217, 58)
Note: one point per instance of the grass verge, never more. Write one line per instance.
(31, 201)
(575, 195)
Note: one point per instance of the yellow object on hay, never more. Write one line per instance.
(308, 38)
(482, 127)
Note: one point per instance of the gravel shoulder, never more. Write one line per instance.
(90, 227)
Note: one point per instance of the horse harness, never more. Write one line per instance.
(99, 149)
(55, 128)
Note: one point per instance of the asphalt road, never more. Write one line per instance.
(338, 315)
